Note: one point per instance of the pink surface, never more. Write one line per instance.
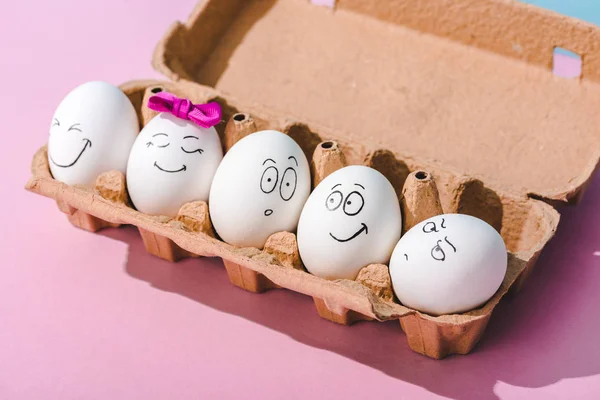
(95, 317)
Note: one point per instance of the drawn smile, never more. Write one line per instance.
(166, 170)
(88, 142)
(361, 230)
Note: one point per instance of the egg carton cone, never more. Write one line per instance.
(525, 223)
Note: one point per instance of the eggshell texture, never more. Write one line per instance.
(91, 132)
(350, 220)
(172, 162)
(448, 264)
(259, 189)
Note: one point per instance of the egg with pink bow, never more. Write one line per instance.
(175, 157)
(92, 131)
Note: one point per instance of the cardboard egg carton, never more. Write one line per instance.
(525, 223)
(459, 90)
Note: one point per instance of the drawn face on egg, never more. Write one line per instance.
(172, 162)
(91, 132)
(259, 189)
(448, 264)
(351, 219)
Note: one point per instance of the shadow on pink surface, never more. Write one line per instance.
(546, 333)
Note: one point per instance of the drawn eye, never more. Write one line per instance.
(354, 203)
(74, 127)
(288, 184)
(55, 122)
(334, 200)
(156, 136)
(269, 178)
(430, 227)
(193, 151)
(437, 252)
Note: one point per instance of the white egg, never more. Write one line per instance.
(92, 132)
(172, 162)
(448, 264)
(351, 219)
(259, 189)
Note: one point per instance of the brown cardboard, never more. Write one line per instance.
(239, 126)
(420, 199)
(526, 224)
(327, 158)
(461, 83)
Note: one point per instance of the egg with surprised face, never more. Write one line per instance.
(259, 189)
(172, 162)
(448, 264)
(351, 219)
(92, 131)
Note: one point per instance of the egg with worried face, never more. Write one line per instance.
(448, 264)
(259, 189)
(92, 132)
(172, 162)
(351, 219)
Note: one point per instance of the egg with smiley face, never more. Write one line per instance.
(448, 264)
(172, 162)
(259, 189)
(351, 219)
(92, 131)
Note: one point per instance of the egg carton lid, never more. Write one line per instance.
(462, 83)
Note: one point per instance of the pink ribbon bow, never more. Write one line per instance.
(205, 115)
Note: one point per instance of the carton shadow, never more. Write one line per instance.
(535, 339)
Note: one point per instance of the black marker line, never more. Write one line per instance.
(269, 159)
(194, 151)
(434, 229)
(74, 128)
(87, 142)
(166, 170)
(447, 241)
(296, 161)
(364, 228)
(442, 224)
(191, 137)
(160, 134)
(438, 248)
(358, 184)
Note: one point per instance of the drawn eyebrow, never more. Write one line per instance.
(160, 134)
(358, 184)
(57, 122)
(269, 159)
(74, 127)
(191, 137)
(296, 161)
(447, 241)
(334, 186)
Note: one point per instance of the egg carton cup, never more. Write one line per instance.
(526, 224)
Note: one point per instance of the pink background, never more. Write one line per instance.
(95, 317)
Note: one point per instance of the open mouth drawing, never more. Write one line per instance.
(268, 212)
(361, 230)
(169, 171)
(88, 142)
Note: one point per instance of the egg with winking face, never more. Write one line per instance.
(448, 264)
(172, 162)
(92, 131)
(351, 219)
(259, 189)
